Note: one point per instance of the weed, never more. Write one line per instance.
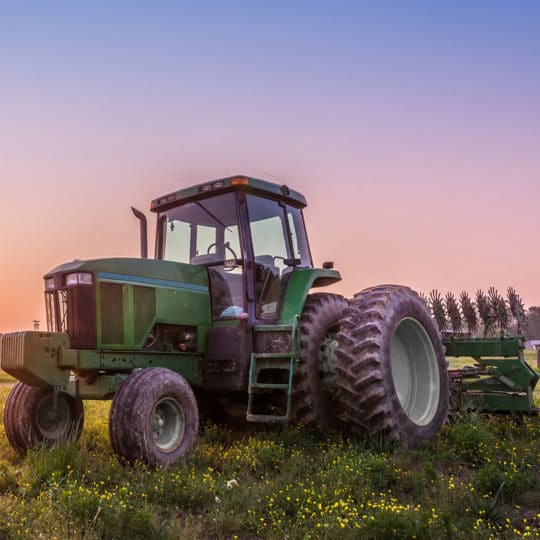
(477, 480)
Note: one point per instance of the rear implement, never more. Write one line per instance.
(481, 330)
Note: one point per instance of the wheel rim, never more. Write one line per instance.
(167, 424)
(327, 363)
(53, 416)
(415, 371)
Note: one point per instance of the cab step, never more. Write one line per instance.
(283, 362)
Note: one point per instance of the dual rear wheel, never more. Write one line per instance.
(374, 364)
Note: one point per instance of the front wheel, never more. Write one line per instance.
(393, 380)
(154, 418)
(35, 415)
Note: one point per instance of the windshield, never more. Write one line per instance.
(202, 232)
(206, 233)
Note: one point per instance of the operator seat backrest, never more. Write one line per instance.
(268, 262)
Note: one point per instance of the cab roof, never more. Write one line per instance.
(231, 183)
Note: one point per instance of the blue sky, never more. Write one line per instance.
(412, 127)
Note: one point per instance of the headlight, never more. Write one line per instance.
(49, 284)
(79, 278)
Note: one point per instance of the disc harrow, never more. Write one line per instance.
(488, 331)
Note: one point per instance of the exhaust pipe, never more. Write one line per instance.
(144, 234)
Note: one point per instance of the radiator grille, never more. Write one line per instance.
(12, 350)
(144, 301)
(73, 310)
(112, 314)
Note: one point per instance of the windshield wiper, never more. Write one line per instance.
(212, 216)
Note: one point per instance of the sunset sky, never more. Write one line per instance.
(413, 128)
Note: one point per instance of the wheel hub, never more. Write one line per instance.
(327, 364)
(53, 416)
(167, 424)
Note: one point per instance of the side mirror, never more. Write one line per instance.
(328, 265)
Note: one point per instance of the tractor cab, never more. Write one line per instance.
(248, 233)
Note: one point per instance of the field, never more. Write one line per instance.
(479, 479)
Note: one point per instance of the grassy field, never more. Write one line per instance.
(479, 479)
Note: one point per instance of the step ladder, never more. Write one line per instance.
(283, 361)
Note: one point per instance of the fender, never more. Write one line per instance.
(299, 286)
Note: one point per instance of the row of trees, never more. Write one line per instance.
(484, 314)
(533, 323)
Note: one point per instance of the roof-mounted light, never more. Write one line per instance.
(239, 181)
(218, 184)
(79, 278)
(163, 200)
(49, 283)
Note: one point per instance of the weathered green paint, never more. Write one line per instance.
(187, 364)
(509, 402)
(144, 268)
(504, 383)
(506, 346)
(32, 357)
(509, 375)
(285, 361)
(299, 286)
(515, 373)
(181, 295)
(103, 387)
(172, 306)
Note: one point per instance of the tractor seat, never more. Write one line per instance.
(268, 262)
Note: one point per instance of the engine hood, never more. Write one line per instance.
(150, 271)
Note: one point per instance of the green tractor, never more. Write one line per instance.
(222, 319)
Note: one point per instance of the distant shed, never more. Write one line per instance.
(532, 344)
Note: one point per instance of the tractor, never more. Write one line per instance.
(224, 318)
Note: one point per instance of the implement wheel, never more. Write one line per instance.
(392, 370)
(154, 418)
(315, 381)
(40, 415)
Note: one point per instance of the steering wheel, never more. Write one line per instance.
(226, 245)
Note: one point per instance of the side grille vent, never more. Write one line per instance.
(144, 300)
(12, 351)
(112, 314)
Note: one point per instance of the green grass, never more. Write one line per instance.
(5, 378)
(478, 479)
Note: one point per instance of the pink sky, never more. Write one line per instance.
(415, 137)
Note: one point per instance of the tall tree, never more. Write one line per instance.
(533, 323)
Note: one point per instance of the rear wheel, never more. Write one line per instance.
(315, 382)
(35, 415)
(154, 417)
(391, 366)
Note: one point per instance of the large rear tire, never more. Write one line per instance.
(315, 383)
(35, 415)
(393, 382)
(154, 418)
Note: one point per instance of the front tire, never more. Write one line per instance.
(392, 370)
(34, 415)
(154, 418)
